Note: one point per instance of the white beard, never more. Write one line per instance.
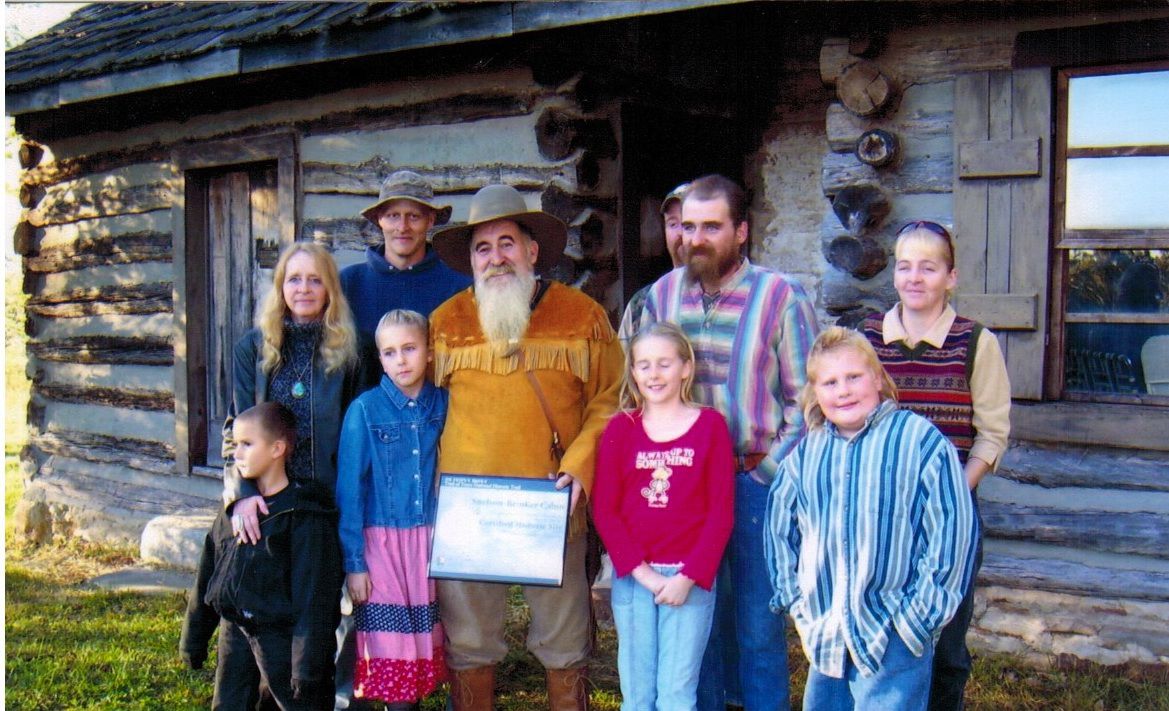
(505, 308)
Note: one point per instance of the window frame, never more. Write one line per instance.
(1064, 241)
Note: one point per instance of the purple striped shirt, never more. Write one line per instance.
(751, 349)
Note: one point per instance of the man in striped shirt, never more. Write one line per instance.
(751, 329)
(870, 534)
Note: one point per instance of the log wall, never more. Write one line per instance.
(1076, 535)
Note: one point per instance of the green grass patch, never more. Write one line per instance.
(75, 648)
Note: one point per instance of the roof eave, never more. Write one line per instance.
(470, 22)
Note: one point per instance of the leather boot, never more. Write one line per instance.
(473, 689)
(568, 689)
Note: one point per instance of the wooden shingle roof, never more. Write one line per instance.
(106, 37)
(112, 49)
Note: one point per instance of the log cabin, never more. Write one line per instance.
(170, 150)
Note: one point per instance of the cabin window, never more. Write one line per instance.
(1111, 223)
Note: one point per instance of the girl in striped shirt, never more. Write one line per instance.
(869, 534)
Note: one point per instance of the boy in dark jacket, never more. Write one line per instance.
(276, 602)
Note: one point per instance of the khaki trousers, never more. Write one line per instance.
(473, 616)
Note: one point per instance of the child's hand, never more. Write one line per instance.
(675, 591)
(649, 578)
(245, 518)
(359, 587)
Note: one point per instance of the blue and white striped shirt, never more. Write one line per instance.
(869, 535)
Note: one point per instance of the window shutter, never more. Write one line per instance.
(1002, 193)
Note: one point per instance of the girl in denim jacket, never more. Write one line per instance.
(385, 491)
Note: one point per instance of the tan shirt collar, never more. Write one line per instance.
(893, 330)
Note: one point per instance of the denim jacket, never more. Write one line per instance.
(386, 463)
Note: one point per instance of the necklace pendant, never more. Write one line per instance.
(299, 390)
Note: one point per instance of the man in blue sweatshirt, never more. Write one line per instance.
(405, 271)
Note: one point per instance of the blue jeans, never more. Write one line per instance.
(659, 647)
(902, 682)
(746, 658)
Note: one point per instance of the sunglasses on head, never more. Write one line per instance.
(926, 225)
(929, 226)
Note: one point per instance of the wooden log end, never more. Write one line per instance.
(864, 89)
(30, 155)
(859, 256)
(555, 134)
(877, 148)
(23, 238)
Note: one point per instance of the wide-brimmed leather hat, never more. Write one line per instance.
(502, 202)
(407, 185)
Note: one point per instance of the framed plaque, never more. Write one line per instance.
(500, 530)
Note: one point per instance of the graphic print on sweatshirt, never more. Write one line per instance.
(659, 463)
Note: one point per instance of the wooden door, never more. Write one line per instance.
(241, 214)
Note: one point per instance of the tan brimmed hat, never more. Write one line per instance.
(678, 193)
(502, 202)
(407, 185)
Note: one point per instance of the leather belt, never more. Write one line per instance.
(750, 461)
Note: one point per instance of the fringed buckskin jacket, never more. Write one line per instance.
(495, 425)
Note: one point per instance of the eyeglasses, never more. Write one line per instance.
(930, 226)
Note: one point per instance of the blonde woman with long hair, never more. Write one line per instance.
(303, 353)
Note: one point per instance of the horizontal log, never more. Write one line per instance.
(341, 233)
(101, 276)
(841, 292)
(139, 454)
(465, 108)
(125, 325)
(911, 124)
(1053, 466)
(108, 293)
(136, 377)
(59, 170)
(106, 250)
(152, 305)
(915, 174)
(918, 56)
(1073, 578)
(1126, 426)
(64, 206)
(366, 179)
(106, 349)
(834, 57)
(65, 236)
(110, 397)
(486, 142)
(1138, 533)
(116, 422)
